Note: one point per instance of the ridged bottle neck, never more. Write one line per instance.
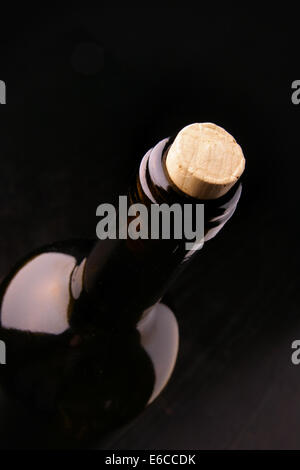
(154, 186)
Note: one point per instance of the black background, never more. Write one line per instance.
(88, 93)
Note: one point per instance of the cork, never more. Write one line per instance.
(204, 161)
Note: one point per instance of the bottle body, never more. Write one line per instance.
(78, 381)
(80, 355)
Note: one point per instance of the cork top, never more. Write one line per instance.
(204, 161)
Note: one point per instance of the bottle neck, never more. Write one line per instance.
(124, 277)
(154, 186)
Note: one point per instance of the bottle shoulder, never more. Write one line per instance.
(36, 295)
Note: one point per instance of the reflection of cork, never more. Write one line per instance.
(204, 161)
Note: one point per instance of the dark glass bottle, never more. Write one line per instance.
(83, 328)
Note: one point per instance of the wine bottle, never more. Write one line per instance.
(88, 342)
